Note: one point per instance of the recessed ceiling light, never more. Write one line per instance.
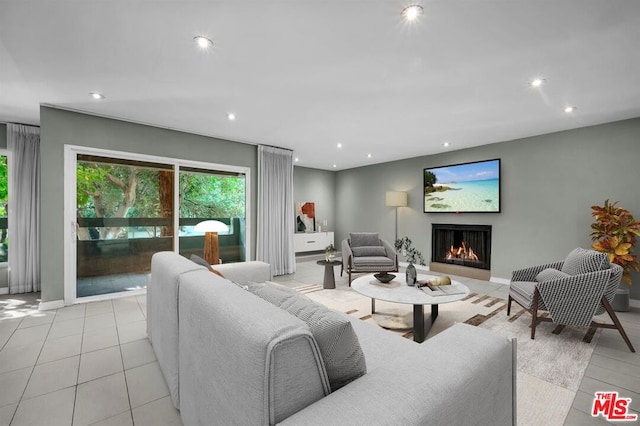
(335, 165)
(96, 95)
(231, 116)
(296, 159)
(411, 13)
(339, 145)
(570, 109)
(203, 42)
(369, 155)
(445, 144)
(537, 82)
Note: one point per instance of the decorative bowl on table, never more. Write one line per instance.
(384, 277)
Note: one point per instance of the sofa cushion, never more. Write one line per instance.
(360, 239)
(550, 274)
(373, 263)
(368, 251)
(341, 352)
(581, 261)
(522, 292)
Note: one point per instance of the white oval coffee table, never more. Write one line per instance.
(397, 291)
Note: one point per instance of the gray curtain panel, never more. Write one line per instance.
(275, 210)
(23, 143)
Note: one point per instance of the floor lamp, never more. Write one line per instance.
(211, 245)
(396, 199)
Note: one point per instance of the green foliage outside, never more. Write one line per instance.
(110, 191)
(4, 202)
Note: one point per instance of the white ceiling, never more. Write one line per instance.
(307, 75)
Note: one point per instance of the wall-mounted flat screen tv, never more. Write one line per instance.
(463, 188)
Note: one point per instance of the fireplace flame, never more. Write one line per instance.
(462, 252)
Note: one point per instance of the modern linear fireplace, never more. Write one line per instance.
(462, 245)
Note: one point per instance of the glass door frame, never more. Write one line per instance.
(71, 153)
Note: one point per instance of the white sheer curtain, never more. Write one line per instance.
(275, 209)
(23, 142)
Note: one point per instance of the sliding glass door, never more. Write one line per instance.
(124, 207)
(124, 215)
(212, 195)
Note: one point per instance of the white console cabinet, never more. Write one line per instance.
(311, 241)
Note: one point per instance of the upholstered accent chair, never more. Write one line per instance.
(572, 291)
(366, 252)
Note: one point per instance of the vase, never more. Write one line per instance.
(411, 274)
(620, 302)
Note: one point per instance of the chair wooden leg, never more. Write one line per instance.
(558, 329)
(617, 323)
(509, 306)
(349, 277)
(341, 269)
(534, 314)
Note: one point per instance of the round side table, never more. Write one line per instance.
(329, 278)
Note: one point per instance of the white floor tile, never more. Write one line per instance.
(52, 409)
(96, 322)
(96, 308)
(146, 383)
(128, 316)
(16, 357)
(99, 339)
(38, 318)
(160, 412)
(135, 354)
(53, 376)
(100, 399)
(6, 413)
(66, 328)
(12, 385)
(70, 312)
(23, 336)
(63, 347)
(99, 364)
(122, 419)
(132, 331)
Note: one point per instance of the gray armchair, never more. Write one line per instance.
(573, 291)
(366, 252)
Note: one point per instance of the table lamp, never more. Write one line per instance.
(211, 246)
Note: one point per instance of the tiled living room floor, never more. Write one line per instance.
(92, 363)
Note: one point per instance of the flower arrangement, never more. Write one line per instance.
(403, 245)
(328, 252)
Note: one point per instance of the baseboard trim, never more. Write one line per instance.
(4, 290)
(634, 303)
(54, 304)
(499, 280)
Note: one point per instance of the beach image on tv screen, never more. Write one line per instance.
(471, 187)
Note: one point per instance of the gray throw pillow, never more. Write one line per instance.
(550, 274)
(338, 343)
(368, 251)
(200, 261)
(359, 239)
(581, 261)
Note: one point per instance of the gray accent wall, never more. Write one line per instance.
(319, 187)
(549, 183)
(59, 127)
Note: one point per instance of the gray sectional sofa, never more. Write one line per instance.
(230, 357)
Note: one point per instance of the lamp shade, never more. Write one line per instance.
(211, 226)
(396, 199)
